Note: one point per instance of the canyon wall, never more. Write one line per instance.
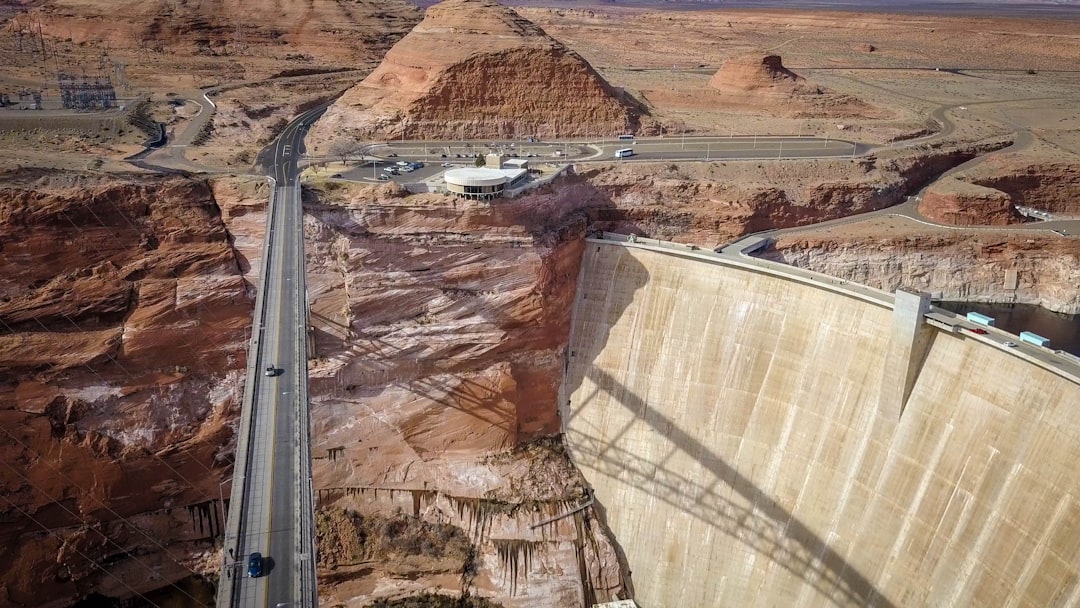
(712, 203)
(123, 320)
(970, 267)
(439, 327)
(729, 423)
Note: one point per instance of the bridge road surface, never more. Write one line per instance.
(275, 509)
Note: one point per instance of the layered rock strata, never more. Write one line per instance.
(955, 202)
(439, 327)
(475, 69)
(973, 267)
(762, 82)
(123, 316)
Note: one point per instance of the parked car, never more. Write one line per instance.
(255, 565)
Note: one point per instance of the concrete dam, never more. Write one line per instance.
(764, 437)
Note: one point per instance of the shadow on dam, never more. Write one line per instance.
(731, 502)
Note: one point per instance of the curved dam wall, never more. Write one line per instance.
(733, 426)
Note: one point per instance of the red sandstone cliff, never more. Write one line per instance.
(440, 326)
(245, 32)
(1032, 182)
(709, 204)
(955, 265)
(475, 69)
(951, 201)
(122, 344)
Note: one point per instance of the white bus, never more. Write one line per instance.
(623, 153)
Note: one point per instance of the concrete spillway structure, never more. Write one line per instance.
(748, 448)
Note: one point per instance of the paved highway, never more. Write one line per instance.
(672, 147)
(272, 506)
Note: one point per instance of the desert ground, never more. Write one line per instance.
(127, 274)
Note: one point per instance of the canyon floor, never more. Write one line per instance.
(440, 325)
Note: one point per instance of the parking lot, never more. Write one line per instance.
(369, 171)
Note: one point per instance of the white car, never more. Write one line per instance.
(448, 164)
(1009, 343)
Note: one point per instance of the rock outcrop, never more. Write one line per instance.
(356, 31)
(955, 265)
(1053, 187)
(763, 83)
(712, 204)
(440, 330)
(956, 202)
(757, 73)
(123, 315)
(475, 69)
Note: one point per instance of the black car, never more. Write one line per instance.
(391, 155)
(255, 565)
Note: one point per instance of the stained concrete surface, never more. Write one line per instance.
(729, 422)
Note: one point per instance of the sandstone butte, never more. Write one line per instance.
(762, 82)
(956, 202)
(464, 71)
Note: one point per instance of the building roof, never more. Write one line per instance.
(475, 176)
(481, 176)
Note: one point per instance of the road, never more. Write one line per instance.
(274, 516)
(672, 147)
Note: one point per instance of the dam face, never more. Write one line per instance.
(733, 427)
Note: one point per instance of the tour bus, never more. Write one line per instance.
(626, 136)
(625, 152)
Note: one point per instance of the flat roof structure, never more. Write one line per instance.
(476, 183)
(481, 183)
